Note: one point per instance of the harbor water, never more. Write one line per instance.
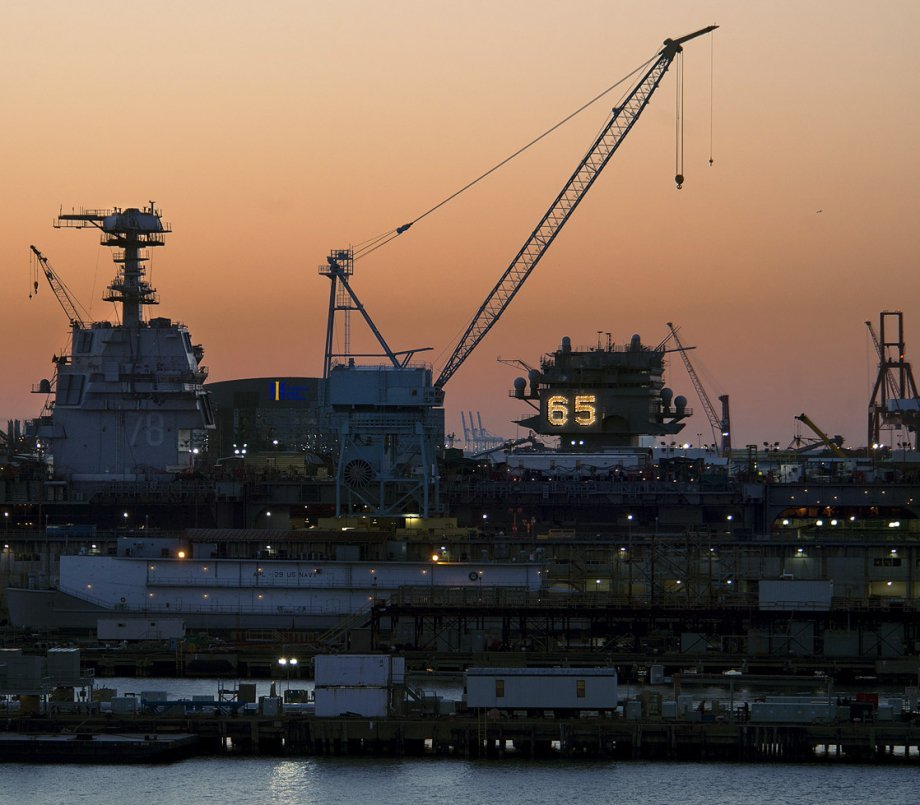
(329, 780)
(392, 781)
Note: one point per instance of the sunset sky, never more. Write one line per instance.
(270, 133)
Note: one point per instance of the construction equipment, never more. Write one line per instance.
(832, 444)
(60, 290)
(621, 122)
(721, 425)
(390, 418)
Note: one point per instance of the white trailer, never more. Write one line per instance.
(361, 670)
(569, 689)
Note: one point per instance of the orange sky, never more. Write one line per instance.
(270, 133)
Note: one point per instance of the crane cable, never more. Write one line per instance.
(711, 52)
(679, 122)
(372, 244)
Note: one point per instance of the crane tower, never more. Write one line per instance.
(383, 407)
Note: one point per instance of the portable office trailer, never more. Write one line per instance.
(542, 688)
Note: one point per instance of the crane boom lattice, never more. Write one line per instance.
(719, 429)
(621, 122)
(60, 290)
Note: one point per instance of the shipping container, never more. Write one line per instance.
(124, 705)
(792, 712)
(22, 672)
(64, 666)
(370, 702)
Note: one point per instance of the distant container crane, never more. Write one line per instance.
(894, 402)
(476, 439)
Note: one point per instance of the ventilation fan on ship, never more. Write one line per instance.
(358, 473)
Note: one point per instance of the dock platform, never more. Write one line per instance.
(107, 738)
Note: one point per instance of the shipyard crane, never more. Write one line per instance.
(889, 379)
(894, 401)
(621, 122)
(63, 296)
(720, 425)
(832, 444)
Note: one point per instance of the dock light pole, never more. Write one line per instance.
(629, 557)
(288, 663)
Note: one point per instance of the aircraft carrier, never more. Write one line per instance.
(335, 506)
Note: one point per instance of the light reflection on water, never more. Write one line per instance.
(342, 781)
(395, 781)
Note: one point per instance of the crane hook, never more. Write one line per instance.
(679, 180)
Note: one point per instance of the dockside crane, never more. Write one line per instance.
(721, 425)
(622, 120)
(388, 430)
(894, 401)
(889, 378)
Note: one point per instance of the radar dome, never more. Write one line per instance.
(519, 385)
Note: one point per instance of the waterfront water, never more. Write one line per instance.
(407, 781)
(374, 781)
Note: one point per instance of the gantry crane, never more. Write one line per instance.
(889, 379)
(57, 286)
(621, 122)
(721, 425)
(894, 400)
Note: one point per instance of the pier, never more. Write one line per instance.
(232, 731)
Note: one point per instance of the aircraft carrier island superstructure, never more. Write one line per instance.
(128, 401)
(604, 397)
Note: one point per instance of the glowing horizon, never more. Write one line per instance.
(269, 137)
